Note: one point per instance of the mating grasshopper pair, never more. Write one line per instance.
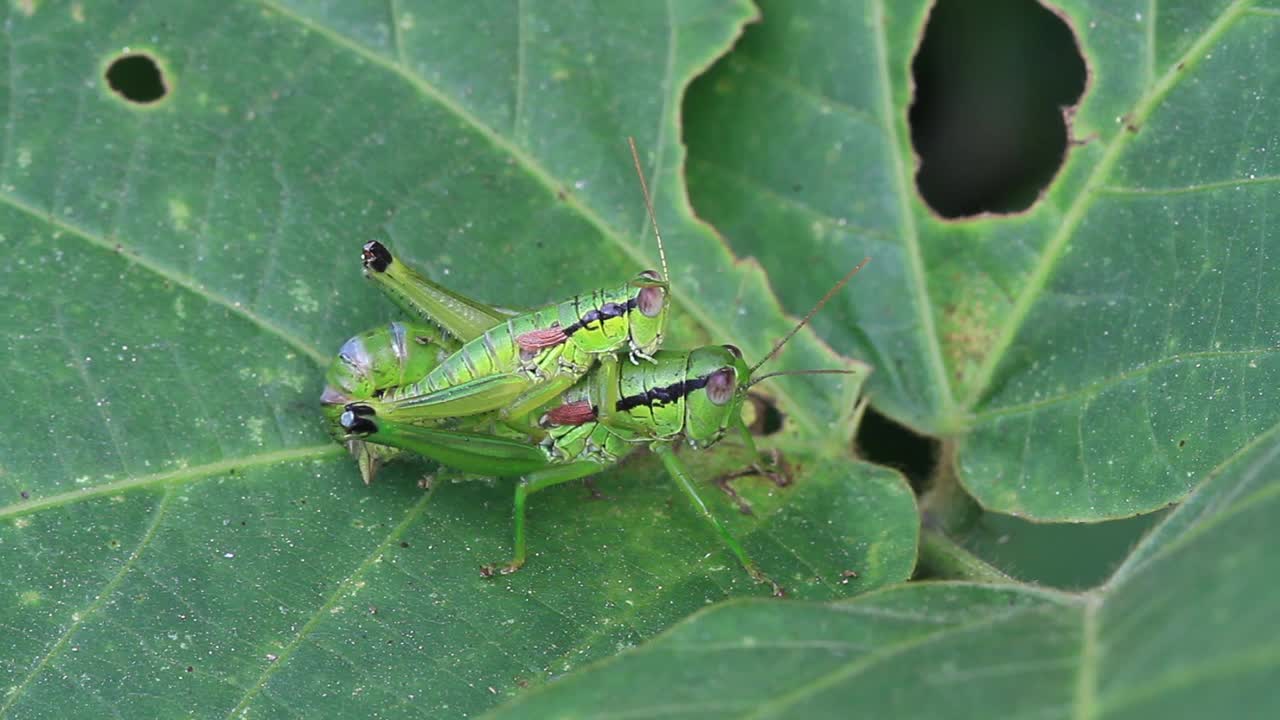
(550, 395)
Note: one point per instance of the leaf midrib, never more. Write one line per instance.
(177, 476)
(167, 274)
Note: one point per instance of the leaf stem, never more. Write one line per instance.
(944, 559)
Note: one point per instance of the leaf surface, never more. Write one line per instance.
(1182, 629)
(1089, 358)
(178, 534)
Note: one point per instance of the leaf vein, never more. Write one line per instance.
(187, 474)
(343, 589)
(169, 274)
(910, 235)
(99, 600)
(1096, 388)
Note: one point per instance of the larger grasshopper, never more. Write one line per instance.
(527, 360)
(486, 363)
(694, 396)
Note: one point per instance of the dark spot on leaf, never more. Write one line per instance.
(404, 544)
(137, 78)
(1182, 442)
(190, 669)
(25, 495)
(114, 543)
(885, 442)
(992, 78)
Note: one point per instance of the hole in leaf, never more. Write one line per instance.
(992, 78)
(885, 442)
(136, 78)
(768, 418)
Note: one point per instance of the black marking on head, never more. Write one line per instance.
(375, 256)
(733, 350)
(664, 395)
(607, 311)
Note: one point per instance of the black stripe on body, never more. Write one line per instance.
(607, 311)
(664, 395)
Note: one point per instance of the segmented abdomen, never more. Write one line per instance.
(494, 352)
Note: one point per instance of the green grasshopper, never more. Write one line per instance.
(527, 360)
(694, 395)
(483, 359)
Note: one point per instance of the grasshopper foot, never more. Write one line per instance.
(778, 590)
(722, 482)
(776, 470)
(595, 493)
(494, 569)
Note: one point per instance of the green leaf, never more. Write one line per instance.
(178, 535)
(1183, 629)
(1089, 358)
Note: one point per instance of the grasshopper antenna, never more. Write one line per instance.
(830, 293)
(648, 205)
(824, 371)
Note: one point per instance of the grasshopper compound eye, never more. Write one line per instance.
(375, 256)
(650, 300)
(721, 384)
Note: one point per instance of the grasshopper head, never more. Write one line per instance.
(368, 365)
(722, 375)
(649, 318)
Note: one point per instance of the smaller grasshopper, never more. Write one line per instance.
(694, 396)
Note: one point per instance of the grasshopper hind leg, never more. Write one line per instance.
(529, 484)
(685, 482)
